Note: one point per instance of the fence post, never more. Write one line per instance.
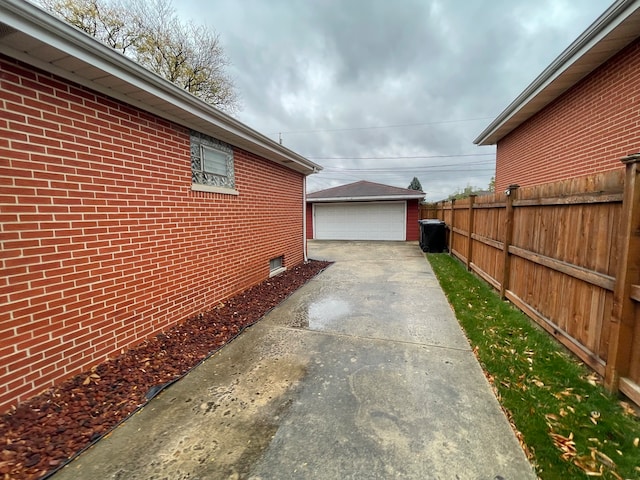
(451, 233)
(472, 200)
(508, 237)
(627, 273)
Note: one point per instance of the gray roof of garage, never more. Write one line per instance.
(364, 191)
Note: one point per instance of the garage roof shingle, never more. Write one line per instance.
(364, 191)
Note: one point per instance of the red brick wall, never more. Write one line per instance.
(585, 131)
(309, 213)
(103, 241)
(413, 214)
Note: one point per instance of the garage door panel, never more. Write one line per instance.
(360, 221)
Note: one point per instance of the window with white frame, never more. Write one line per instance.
(276, 265)
(211, 162)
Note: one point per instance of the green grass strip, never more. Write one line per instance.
(570, 425)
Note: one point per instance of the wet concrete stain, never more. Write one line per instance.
(327, 311)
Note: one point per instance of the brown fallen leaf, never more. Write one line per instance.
(615, 474)
(628, 409)
(592, 379)
(589, 465)
(567, 392)
(604, 459)
(594, 474)
(551, 417)
(565, 444)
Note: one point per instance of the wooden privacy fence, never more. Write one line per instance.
(568, 255)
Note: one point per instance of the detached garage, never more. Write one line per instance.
(363, 211)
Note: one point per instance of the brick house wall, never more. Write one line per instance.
(585, 131)
(103, 242)
(309, 214)
(413, 214)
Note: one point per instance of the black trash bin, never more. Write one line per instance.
(433, 235)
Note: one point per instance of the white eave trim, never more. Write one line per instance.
(365, 199)
(173, 103)
(615, 29)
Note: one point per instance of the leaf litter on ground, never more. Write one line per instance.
(568, 425)
(41, 434)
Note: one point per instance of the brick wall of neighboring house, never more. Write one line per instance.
(586, 130)
(309, 213)
(103, 243)
(413, 214)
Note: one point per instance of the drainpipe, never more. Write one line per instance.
(304, 218)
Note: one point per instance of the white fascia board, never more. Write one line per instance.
(580, 50)
(177, 105)
(365, 199)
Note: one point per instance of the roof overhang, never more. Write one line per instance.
(615, 29)
(380, 198)
(33, 36)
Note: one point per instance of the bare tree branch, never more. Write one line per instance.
(151, 33)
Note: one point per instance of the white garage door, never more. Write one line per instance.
(360, 221)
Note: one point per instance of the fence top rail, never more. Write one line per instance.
(490, 205)
(606, 183)
(603, 187)
(585, 199)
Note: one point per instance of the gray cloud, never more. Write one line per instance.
(325, 65)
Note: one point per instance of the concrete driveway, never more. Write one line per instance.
(363, 373)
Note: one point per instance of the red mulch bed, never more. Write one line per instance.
(41, 434)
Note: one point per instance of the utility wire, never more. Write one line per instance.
(408, 168)
(416, 172)
(402, 158)
(350, 129)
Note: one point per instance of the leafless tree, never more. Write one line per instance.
(150, 32)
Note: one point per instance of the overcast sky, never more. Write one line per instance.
(358, 86)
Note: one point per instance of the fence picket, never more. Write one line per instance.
(568, 255)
